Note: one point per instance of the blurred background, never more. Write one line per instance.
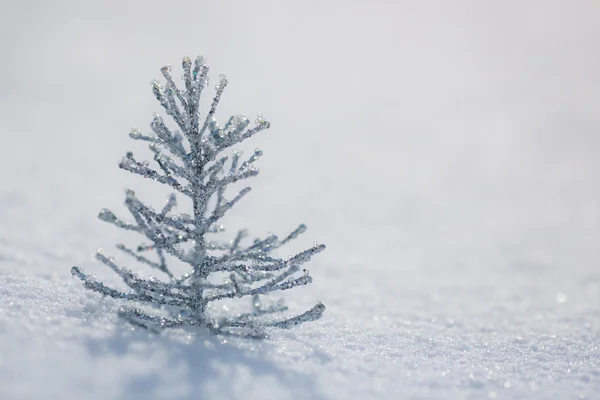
(424, 142)
(450, 130)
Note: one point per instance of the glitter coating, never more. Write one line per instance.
(192, 164)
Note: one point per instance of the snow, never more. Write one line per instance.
(446, 153)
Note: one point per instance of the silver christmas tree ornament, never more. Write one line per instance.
(191, 162)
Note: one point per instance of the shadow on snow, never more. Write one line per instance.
(213, 368)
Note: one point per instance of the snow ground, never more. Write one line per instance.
(446, 152)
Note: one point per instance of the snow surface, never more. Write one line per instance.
(446, 152)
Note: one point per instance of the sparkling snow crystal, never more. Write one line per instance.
(191, 163)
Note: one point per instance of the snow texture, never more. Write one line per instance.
(446, 152)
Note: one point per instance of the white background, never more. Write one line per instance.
(446, 153)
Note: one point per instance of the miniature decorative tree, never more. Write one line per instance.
(191, 163)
